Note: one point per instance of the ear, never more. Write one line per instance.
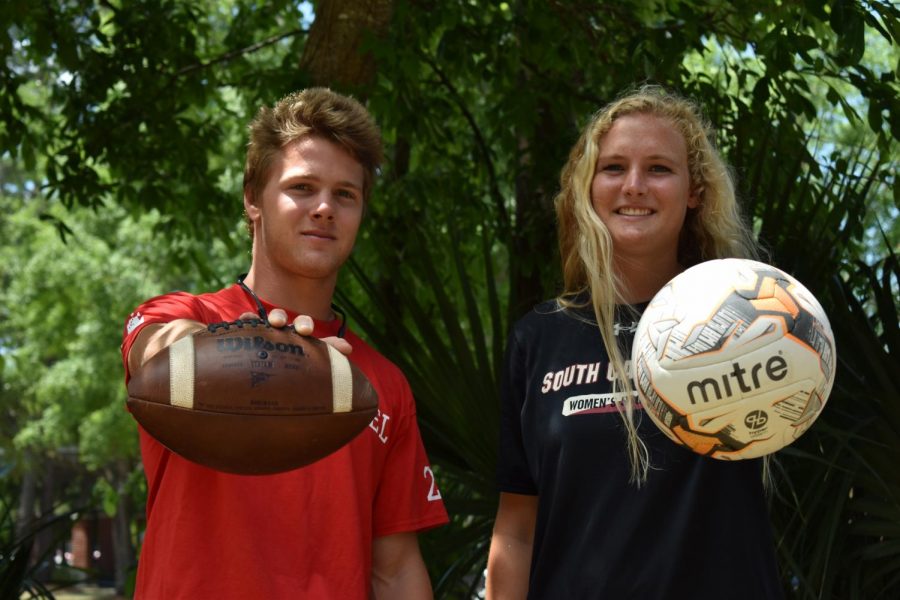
(250, 207)
(693, 200)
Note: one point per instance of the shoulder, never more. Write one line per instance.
(387, 378)
(540, 313)
(369, 357)
(161, 309)
(547, 318)
(164, 308)
(184, 305)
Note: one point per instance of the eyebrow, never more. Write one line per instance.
(304, 176)
(652, 157)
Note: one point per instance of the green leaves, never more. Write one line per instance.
(19, 567)
(839, 532)
(125, 100)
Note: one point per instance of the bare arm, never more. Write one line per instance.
(154, 337)
(509, 560)
(398, 570)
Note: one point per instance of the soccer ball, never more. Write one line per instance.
(734, 359)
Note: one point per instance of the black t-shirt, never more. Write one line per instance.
(697, 529)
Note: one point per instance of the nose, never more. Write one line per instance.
(634, 184)
(322, 208)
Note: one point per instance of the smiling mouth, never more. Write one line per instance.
(632, 211)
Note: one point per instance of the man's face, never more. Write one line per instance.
(306, 219)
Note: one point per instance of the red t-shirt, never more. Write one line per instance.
(305, 533)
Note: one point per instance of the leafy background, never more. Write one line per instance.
(121, 154)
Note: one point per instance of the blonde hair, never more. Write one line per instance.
(714, 229)
(313, 111)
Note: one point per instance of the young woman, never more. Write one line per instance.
(595, 502)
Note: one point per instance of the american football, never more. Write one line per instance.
(249, 399)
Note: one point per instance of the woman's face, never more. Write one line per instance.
(642, 187)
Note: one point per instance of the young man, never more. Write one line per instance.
(344, 527)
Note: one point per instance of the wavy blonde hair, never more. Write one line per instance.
(714, 229)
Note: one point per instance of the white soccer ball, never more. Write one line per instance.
(734, 359)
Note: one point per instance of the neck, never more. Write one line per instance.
(642, 277)
(298, 294)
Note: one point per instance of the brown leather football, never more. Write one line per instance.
(247, 398)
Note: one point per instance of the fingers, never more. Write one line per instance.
(278, 318)
(304, 325)
(339, 344)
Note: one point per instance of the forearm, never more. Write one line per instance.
(509, 564)
(412, 583)
(398, 571)
(157, 336)
(509, 560)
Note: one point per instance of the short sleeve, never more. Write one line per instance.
(408, 496)
(161, 309)
(513, 474)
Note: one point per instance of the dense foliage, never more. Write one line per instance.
(121, 144)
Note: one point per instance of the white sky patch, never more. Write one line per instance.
(309, 14)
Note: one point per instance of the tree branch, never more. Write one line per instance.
(235, 53)
(479, 139)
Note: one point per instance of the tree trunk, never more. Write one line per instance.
(46, 537)
(123, 549)
(535, 232)
(27, 497)
(333, 55)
